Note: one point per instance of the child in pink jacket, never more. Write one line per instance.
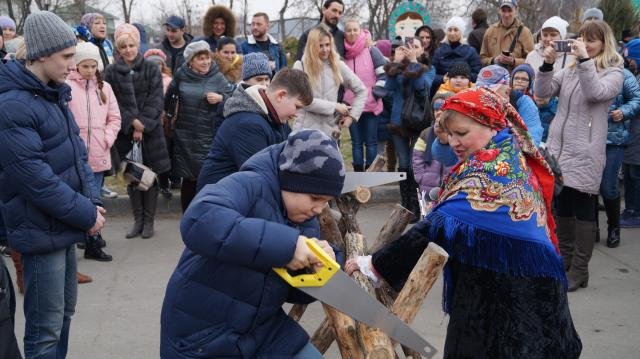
(96, 112)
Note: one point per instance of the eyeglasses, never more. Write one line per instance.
(520, 79)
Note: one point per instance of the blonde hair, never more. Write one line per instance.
(122, 40)
(311, 58)
(600, 30)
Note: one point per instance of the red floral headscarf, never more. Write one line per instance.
(490, 109)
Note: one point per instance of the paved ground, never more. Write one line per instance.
(118, 315)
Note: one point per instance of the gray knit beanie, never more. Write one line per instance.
(311, 162)
(255, 64)
(593, 12)
(195, 48)
(45, 34)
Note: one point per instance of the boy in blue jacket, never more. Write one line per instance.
(224, 299)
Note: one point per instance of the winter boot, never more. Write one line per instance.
(150, 200)
(412, 195)
(585, 235)
(390, 153)
(83, 278)
(17, 262)
(565, 230)
(93, 251)
(404, 194)
(612, 208)
(135, 197)
(358, 168)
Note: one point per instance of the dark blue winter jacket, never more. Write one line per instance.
(400, 85)
(247, 128)
(448, 54)
(44, 176)
(547, 113)
(628, 101)
(223, 299)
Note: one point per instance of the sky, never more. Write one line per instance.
(271, 7)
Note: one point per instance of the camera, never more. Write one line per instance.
(562, 45)
(408, 41)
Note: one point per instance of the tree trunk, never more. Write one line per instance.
(281, 21)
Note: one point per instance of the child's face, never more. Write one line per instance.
(520, 81)
(459, 82)
(87, 68)
(301, 207)
(263, 80)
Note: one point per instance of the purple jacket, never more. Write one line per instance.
(427, 171)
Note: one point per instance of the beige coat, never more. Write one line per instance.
(578, 133)
(498, 38)
(320, 114)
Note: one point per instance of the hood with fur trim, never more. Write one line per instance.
(215, 12)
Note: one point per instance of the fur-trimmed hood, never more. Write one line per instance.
(215, 12)
(231, 70)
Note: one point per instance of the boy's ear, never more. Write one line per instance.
(281, 95)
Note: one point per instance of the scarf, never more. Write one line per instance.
(494, 210)
(351, 51)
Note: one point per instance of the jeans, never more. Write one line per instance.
(404, 146)
(609, 188)
(364, 132)
(49, 302)
(99, 180)
(308, 352)
(631, 187)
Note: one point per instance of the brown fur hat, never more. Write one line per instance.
(215, 12)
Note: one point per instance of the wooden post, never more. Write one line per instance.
(345, 332)
(297, 311)
(324, 336)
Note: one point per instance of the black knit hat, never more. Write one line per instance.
(459, 69)
(311, 162)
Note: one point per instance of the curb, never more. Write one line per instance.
(121, 207)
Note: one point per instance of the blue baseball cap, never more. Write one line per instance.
(174, 22)
(510, 3)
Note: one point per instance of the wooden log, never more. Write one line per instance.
(374, 342)
(362, 194)
(393, 228)
(349, 206)
(345, 331)
(329, 230)
(420, 282)
(297, 311)
(378, 164)
(324, 336)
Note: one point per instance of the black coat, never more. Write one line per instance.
(138, 90)
(475, 37)
(193, 131)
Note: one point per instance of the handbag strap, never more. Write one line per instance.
(515, 39)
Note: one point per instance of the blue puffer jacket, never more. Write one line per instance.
(628, 101)
(547, 113)
(44, 175)
(223, 299)
(247, 128)
(448, 54)
(399, 85)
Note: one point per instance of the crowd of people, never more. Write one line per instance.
(518, 127)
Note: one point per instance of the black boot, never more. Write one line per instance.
(150, 200)
(135, 197)
(412, 193)
(404, 194)
(358, 168)
(612, 208)
(93, 251)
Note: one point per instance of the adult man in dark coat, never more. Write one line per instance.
(48, 190)
(331, 13)
(479, 22)
(174, 42)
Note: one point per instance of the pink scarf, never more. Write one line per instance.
(353, 50)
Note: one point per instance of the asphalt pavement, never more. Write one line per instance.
(118, 315)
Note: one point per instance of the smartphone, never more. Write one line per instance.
(506, 53)
(562, 45)
(408, 41)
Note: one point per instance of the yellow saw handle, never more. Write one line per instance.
(317, 279)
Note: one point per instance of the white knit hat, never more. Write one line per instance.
(458, 22)
(557, 23)
(88, 51)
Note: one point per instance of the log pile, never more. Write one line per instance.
(356, 340)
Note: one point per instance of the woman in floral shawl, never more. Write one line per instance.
(504, 286)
